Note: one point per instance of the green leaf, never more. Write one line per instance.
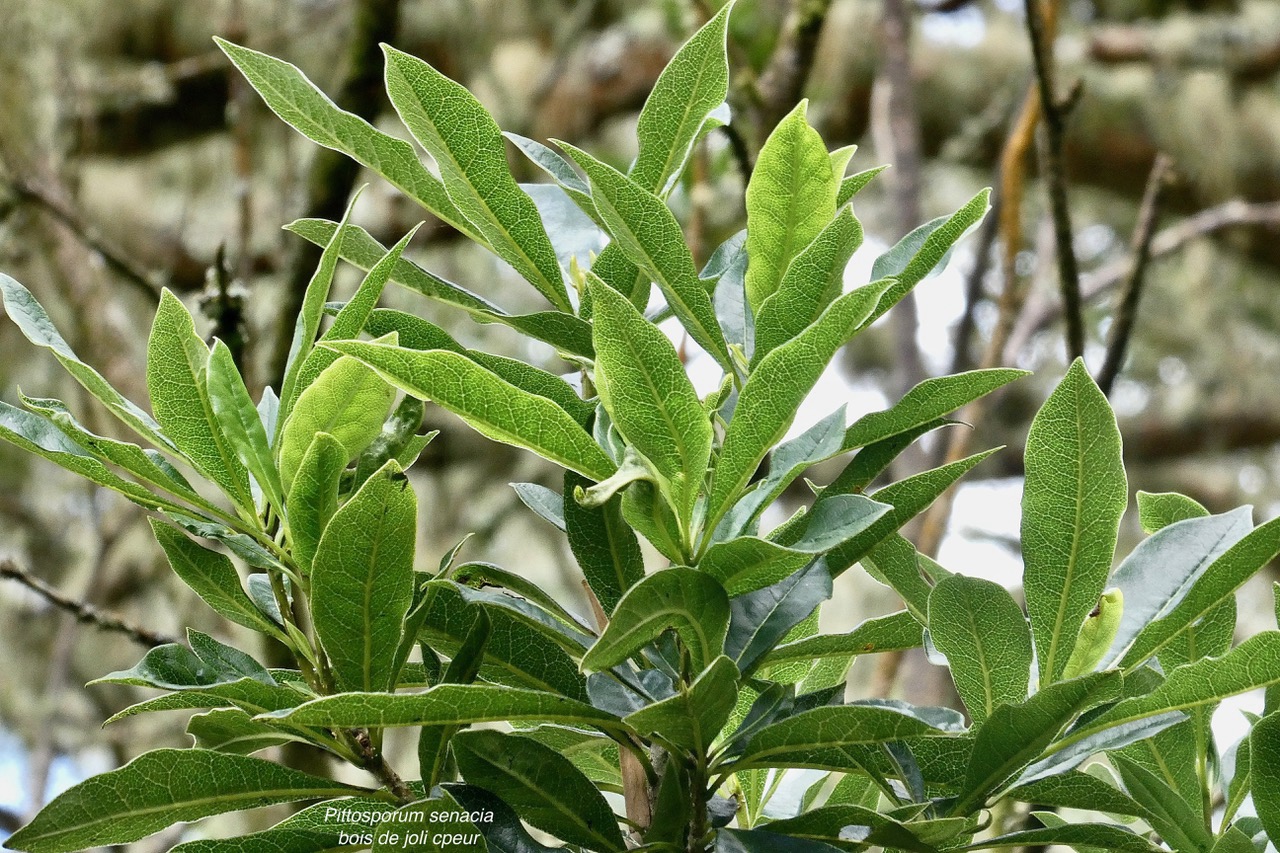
(233, 731)
(362, 580)
(148, 466)
(775, 389)
(477, 575)
(1264, 761)
(811, 282)
(30, 318)
(1217, 583)
(852, 185)
(1158, 510)
(313, 497)
(908, 498)
(1253, 664)
(693, 84)
(1096, 634)
(880, 634)
(494, 407)
(238, 418)
(982, 631)
(934, 240)
(693, 717)
(212, 576)
(314, 829)
(1016, 735)
(467, 145)
(37, 435)
(651, 402)
(542, 786)
(176, 367)
(763, 841)
(926, 402)
(790, 198)
(605, 547)
(820, 738)
(1146, 732)
(161, 788)
(295, 99)
(685, 600)
(1111, 838)
(464, 667)
(1078, 790)
(649, 235)
(505, 833)
(761, 619)
(436, 825)
(1074, 496)
(517, 652)
(1181, 827)
(1157, 575)
(844, 823)
(347, 400)
(562, 331)
(447, 704)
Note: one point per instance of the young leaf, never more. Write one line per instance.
(467, 145)
(1157, 575)
(812, 281)
(212, 576)
(238, 418)
(295, 99)
(161, 788)
(1096, 634)
(982, 631)
(683, 599)
(775, 389)
(1159, 510)
(852, 185)
(313, 497)
(606, 548)
(491, 405)
(790, 197)
(649, 235)
(542, 786)
(692, 718)
(1217, 583)
(176, 369)
(693, 84)
(30, 318)
(233, 731)
(1015, 735)
(1173, 817)
(348, 401)
(362, 580)
(1074, 496)
(649, 398)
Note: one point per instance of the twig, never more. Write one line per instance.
(83, 612)
(783, 81)
(1053, 174)
(966, 325)
(1126, 311)
(1230, 214)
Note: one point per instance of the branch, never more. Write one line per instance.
(782, 84)
(82, 611)
(1052, 171)
(1126, 312)
(1231, 214)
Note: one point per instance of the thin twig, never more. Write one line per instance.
(1052, 172)
(967, 325)
(1126, 311)
(783, 81)
(83, 612)
(1231, 214)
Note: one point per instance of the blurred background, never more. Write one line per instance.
(132, 157)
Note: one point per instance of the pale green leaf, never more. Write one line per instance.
(362, 580)
(790, 198)
(1264, 763)
(894, 632)
(313, 497)
(238, 418)
(1160, 509)
(692, 718)
(853, 184)
(233, 731)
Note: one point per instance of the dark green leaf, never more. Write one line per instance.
(606, 549)
(761, 619)
(822, 737)
(692, 718)
(889, 633)
(1264, 763)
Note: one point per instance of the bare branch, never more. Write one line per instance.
(1126, 311)
(82, 611)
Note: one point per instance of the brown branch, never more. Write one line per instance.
(782, 84)
(1232, 214)
(1053, 173)
(86, 613)
(966, 326)
(1126, 312)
